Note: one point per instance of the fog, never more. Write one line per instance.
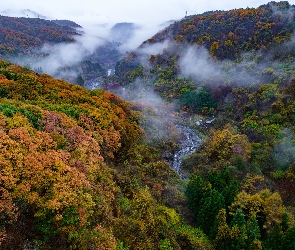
(198, 64)
(284, 150)
(98, 17)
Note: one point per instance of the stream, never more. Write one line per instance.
(190, 142)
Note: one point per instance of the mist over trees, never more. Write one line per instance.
(88, 164)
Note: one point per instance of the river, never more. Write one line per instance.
(188, 145)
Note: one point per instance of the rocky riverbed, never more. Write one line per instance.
(188, 144)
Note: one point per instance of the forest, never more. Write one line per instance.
(86, 169)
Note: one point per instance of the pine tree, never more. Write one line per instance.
(253, 233)
(289, 239)
(274, 240)
(195, 192)
(208, 210)
(238, 219)
(239, 222)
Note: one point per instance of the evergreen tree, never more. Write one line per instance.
(274, 240)
(289, 239)
(253, 233)
(285, 222)
(238, 222)
(195, 192)
(238, 219)
(208, 210)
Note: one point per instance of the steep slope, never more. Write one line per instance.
(75, 173)
(20, 35)
(243, 41)
(237, 66)
(227, 34)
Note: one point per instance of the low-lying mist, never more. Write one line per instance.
(100, 43)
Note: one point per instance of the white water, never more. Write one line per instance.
(188, 145)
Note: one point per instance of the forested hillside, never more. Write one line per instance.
(75, 173)
(39, 44)
(21, 35)
(85, 169)
(234, 68)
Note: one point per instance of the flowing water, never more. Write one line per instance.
(188, 145)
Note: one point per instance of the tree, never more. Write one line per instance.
(208, 210)
(253, 234)
(198, 100)
(289, 239)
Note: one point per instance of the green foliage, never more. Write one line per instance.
(274, 239)
(9, 75)
(207, 196)
(238, 219)
(120, 246)
(45, 225)
(165, 245)
(198, 100)
(31, 112)
(253, 232)
(289, 239)
(208, 210)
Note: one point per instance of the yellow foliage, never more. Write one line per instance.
(266, 203)
(249, 204)
(224, 143)
(214, 46)
(273, 208)
(17, 121)
(253, 183)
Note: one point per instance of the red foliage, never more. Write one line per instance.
(286, 188)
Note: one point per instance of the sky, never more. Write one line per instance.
(86, 12)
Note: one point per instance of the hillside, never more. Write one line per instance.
(39, 44)
(76, 174)
(227, 34)
(21, 35)
(235, 70)
(248, 42)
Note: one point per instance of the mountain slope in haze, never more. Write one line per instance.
(238, 36)
(34, 42)
(122, 32)
(67, 23)
(22, 13)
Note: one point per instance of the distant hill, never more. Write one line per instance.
(67, 23)
(228, 33)
(18, 35)
(21, 39)
(122, 32)
(22, 13)
(223, 36)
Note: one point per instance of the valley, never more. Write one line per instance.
(185, 141)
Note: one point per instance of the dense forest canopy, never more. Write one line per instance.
(85, 169)
(18, 35)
